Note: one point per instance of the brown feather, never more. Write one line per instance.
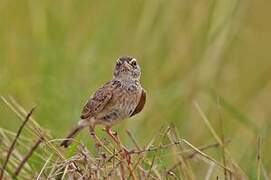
(141, 103)
(98, 101)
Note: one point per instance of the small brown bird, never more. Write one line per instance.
(120, 98)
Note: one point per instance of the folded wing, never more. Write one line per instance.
(140, 104)
(98, 101)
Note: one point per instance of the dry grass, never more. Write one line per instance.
(36, 155)
(57, 53)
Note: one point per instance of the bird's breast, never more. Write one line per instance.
(124, 100)
(127, 99)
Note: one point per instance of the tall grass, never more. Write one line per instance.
(54, 54)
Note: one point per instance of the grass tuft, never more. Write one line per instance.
(166, 155)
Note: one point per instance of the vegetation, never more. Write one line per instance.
(110, 161)
(206, 68)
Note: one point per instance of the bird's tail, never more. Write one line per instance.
(72, 134)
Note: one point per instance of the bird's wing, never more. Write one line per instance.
(98, 101)
(140, 104)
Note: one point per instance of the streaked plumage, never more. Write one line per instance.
(120, 98)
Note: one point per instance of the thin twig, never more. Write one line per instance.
(207, 156)
(185, 166)
(203, 148)
(152, 163)
(44, 166)
(133, 140)
(221, 122)
(141, 159)
(215, 145)
(27, 157)
(114, 168)
(259, 158)
(207, 123)
(14, 142)
(210, 171)
(161, 147)
(124, 154)
(64, 173)
(17, 113)
(213, 132)
(35, 127)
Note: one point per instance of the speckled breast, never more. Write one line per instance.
(124, 101)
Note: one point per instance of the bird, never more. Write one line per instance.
(120, 98)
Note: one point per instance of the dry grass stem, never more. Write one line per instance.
(111, 159)
(14, 142)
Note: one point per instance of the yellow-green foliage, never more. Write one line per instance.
(56, 53)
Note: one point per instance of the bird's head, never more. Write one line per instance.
(127, 68)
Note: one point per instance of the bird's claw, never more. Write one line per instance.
(125, 153)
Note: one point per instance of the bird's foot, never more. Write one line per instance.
(113, 135)
(125, 153)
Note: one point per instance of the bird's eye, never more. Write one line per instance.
(119, 63)
(133, 63)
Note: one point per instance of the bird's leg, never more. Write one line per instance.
(92, 133)
(115, 137)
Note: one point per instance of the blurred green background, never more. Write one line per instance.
(55, 54)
